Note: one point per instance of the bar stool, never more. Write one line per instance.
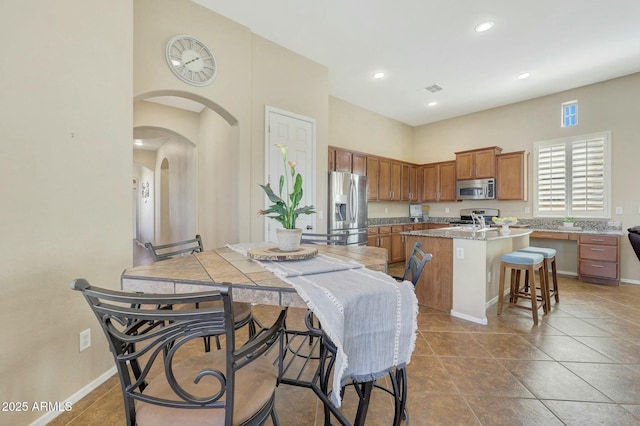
(528, 262)
(549, 260)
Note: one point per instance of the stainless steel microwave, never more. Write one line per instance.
(476, 189)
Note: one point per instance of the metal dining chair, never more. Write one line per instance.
(339, 239)
(415, 264)
(243, 314)
(165, 379)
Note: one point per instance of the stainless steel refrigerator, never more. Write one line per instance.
(347, 212)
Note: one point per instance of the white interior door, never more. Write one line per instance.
(299, 134)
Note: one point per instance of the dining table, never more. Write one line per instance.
(368, 319)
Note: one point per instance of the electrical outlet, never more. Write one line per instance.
(527, 210)
(386, 209)
(489, 276)
(460, 253)
(619, 210)
(320, 215)
(85, 339)
(446, 209)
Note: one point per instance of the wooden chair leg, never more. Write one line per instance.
(534, 298)
(554, 277)
(501, 288)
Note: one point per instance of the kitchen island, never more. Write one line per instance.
(462, 278)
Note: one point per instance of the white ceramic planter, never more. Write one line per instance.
(288, 239)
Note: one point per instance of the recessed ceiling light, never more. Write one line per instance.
(484, 26)
(430, 104)
(138, 142)
(378, 75)
(523, 76)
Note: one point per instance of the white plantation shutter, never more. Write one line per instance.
(572, 177)
(587, 176)
(552, 180)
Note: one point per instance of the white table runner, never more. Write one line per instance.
(371, 318)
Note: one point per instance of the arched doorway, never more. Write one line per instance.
(212, 191)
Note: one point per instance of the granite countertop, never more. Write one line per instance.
(536, 225)
(574, 230)
(487, 234)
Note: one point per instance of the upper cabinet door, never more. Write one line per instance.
(465, 166)
(343, 160)
(384, 180)
(485, 163)
(512, 176)
(359, 164)
(448, 181)
(373, 175)
(477, 164)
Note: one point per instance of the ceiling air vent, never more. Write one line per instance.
(433, 88)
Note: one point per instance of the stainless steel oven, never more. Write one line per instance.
(476, 189)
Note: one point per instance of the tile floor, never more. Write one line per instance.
(580, 366)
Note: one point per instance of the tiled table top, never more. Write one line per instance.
(251, 282)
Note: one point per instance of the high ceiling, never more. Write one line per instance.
(563, 44)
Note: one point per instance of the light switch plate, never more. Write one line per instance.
(619, 210)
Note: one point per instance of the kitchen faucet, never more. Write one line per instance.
(477, 218)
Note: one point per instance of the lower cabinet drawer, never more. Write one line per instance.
(598, 269)
(599, 239)
(594, 252)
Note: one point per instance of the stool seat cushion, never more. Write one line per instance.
(521, 258)
(548, 253)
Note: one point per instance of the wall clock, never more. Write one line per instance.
(191, 61)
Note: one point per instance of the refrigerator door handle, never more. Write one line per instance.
(353, 205)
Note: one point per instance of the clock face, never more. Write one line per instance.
(191, 61)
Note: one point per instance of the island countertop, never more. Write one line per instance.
(488, 234)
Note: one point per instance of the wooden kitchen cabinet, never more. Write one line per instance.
(389, 179)
(380, 236)
(389, 237)
(332, 159)
(342, 160)
(439, 181)
(373, 175)
(512, 176)
(372, 236)
(599, 259)
(409, 174)
(477, 163)
(358, 164)
(397, 244)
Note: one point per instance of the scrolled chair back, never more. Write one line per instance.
(165, 376)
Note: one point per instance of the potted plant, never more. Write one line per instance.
(285, 205)
(568, 221)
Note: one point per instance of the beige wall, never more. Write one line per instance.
(65, 168)
(356, 128)
(284, 80)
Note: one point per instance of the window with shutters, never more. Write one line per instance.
(572, 176)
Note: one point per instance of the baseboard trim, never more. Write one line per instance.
(76, 397)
